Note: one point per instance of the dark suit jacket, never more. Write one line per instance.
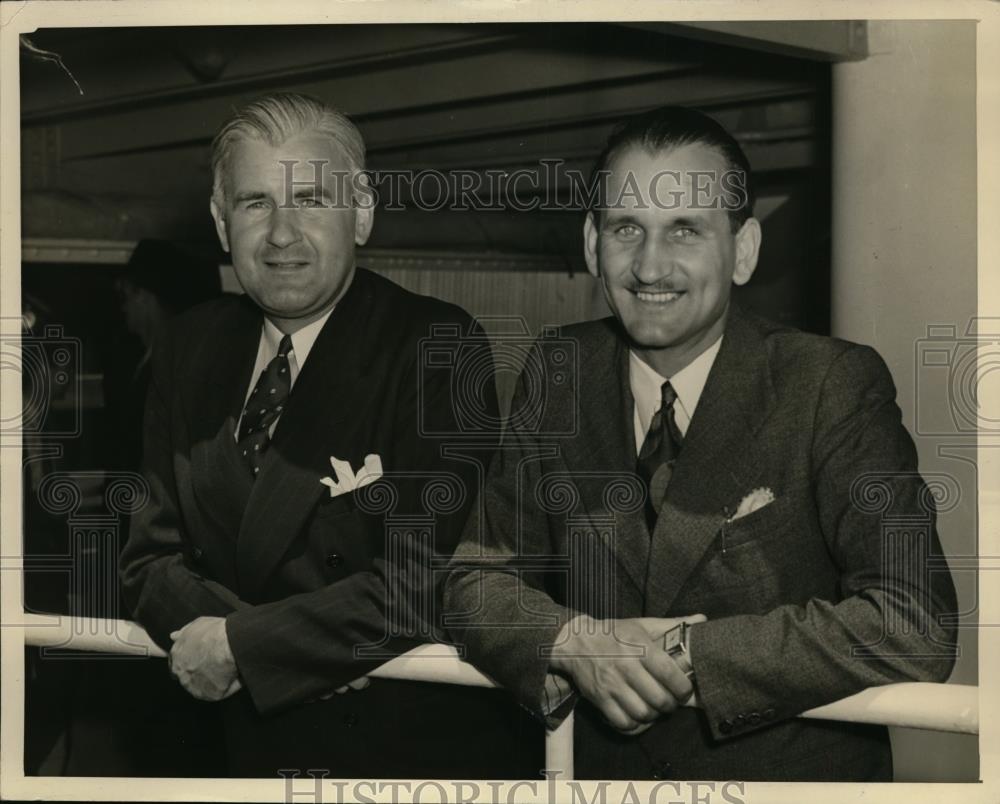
(304, 579)
(810, 599)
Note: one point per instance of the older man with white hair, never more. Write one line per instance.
(255, 565)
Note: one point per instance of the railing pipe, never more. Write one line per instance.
(939, 707)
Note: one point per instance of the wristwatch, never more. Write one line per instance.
(675, 643)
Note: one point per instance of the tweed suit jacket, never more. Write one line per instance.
(305, 579)
(805, 597)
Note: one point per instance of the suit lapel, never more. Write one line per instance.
(606, 445)
(220, 375)
(314, 425)
(717, 464)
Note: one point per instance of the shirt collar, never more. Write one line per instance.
(688, 383)
(302, 340)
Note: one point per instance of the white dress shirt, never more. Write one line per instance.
(688, 383)
(267, 349)
(646, 386)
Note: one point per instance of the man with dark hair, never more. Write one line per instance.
(259, 562)
(687, 542)
(672, 127)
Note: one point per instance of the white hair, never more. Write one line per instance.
(274, 119)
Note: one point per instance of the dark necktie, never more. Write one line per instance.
(659, 451)
(264, 406)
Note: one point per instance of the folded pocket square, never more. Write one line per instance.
(754, 501)
(347, 480)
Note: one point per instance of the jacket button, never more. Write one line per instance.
(753, 718)
(726, 726)
(350, 720)
(197, 553)
(768, 714)
(334, 560)
(739, 721)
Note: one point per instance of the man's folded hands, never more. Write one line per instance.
(201, 659)
(621, 667)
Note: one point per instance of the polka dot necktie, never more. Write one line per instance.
(659, 451)
(264, 406)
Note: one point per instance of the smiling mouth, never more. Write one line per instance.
(285, 264)
(659, 297)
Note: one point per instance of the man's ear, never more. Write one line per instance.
(590, 244)
(364, 208)
(219, 216)
(747, 250)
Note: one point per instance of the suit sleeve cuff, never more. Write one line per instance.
(254, 669)
(729, 710)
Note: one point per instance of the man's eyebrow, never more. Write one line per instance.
(617, 217)
(688, 220)
(249, 195)
(311, 191)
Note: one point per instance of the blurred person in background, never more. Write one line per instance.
(159, 281)
(127, 717)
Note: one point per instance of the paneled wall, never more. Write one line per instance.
(513, 306)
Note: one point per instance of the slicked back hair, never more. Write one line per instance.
(275, 118)
(669, 127)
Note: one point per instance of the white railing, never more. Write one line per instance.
(939, 707)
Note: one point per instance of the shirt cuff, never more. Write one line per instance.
(558, 699)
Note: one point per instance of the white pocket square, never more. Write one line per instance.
(347, 480)
(754, 501)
